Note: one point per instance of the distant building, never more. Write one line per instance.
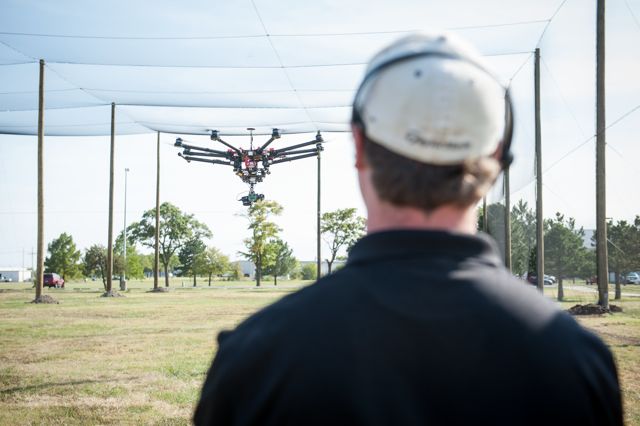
(248, 268)
(15, 274)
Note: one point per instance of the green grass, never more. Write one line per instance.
(141, 359)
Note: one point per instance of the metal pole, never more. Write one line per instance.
(124, 254)
(110, 236)
(156, 262)
(507, 220)
(319, 252)
(485, 219)
(40, 258)
(601, 186)
(539, 217)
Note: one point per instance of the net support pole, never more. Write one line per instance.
(601, 186)
(40, 259)
(539, 217)
(507, 220)
(485, 218)
(156, 261)
(318, 217)
(111, 178)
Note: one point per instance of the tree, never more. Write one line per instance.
(282, 260)
(308, 271)
(212, 262)
(95, 263)
(564, 251)
(176, 228)
(189, 254)
(63, 257)
(523, 237)
(236, 271)
(496, 225)
(262, 230)
(134, 263)
(341, 228)
(623, 241)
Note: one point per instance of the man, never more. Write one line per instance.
(423, 325)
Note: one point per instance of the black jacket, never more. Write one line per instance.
(419, 328)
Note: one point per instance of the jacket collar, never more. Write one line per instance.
(420, 243)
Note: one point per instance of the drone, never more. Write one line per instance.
(251, 165)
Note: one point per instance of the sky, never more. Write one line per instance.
(77, 167)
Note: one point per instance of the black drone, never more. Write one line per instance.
(250, 165)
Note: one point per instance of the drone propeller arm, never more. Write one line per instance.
(300, 145)
(197, 148)
(205, 154)
(266, 144)
(204, 160)
(229, 146)
(284, 160)
(301, 151)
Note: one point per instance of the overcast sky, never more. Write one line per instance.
(76, 168)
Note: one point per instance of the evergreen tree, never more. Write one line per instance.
(564, 251)
(63, 257)
(189, 254)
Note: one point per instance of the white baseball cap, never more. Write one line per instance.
(429, 97)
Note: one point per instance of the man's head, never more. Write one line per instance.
(431, 124)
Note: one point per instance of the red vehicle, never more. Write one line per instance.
(53, 280)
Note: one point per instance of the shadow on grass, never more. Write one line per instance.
(18, 389)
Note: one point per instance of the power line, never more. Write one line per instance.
(546, 27)
(520, 68)
(633, 15)
(618, 120)
(275, 51)
(564, 100)
(266, 33)
(257, 67)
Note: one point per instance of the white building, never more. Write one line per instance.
(15, 274)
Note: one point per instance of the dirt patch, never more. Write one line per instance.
(593, 309)
(111, 294)
(160, 290)
(45, 299)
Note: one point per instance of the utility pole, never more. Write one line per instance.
(507, 220)
(601, 185)
(123, 281)
(110, 236)
(319, 251)
(485, 219)
(156, 258)
(40, 258)
(539, 216)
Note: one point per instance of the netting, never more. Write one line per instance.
(194, 66)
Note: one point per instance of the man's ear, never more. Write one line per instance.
(358, 138)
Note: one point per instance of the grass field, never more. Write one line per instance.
(141, 359)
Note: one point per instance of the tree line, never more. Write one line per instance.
(183, 248)
(565, 253)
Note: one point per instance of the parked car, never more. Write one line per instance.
(533, 279)
(4, 279)
(53, 280)
(633, 278)
(551, 278)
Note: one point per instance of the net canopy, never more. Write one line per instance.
(194, 66)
